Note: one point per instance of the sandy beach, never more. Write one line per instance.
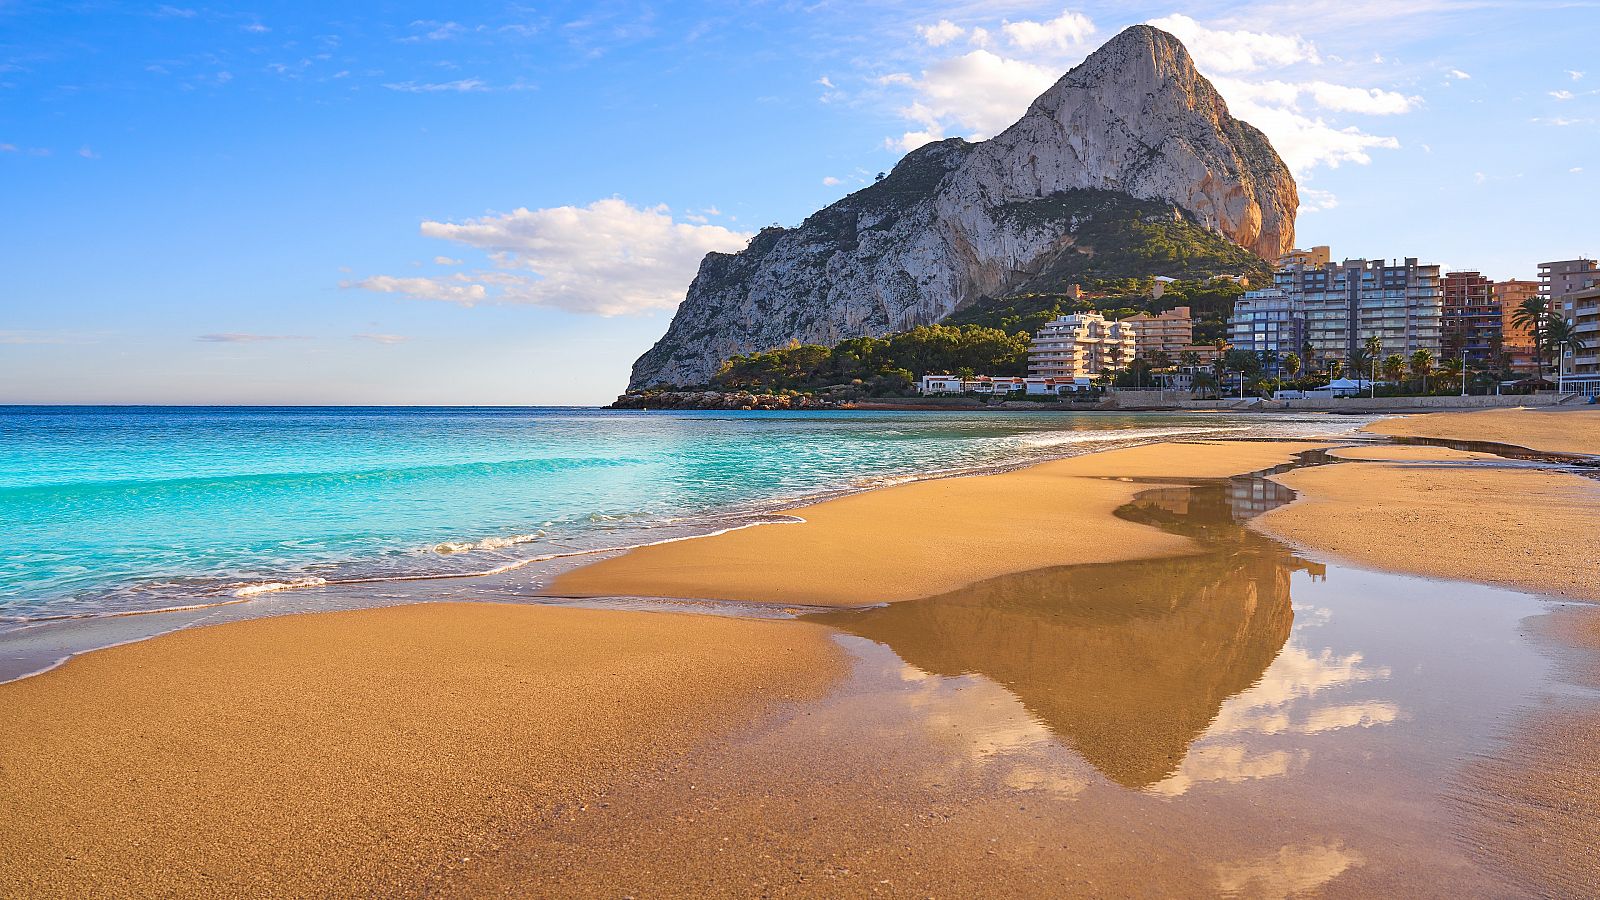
(1574, 429)
(918, 539)
(468, 749)
(367, 753)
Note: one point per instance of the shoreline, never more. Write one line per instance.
(403, 673)
(294, 591)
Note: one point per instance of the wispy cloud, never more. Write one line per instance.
(459, 86)
(386, 339)
(241, 337)
(609, 258)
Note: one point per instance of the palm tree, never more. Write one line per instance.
(1454, 369)
(1394, 365)
(1189, 359)
(1308, 356)
(1563, 339)
(1335, 369)
(1373, 348)
(1205, 383)
(1534, 315)
(1291, 365)
(1421, 367)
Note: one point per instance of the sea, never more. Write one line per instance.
(116, 510)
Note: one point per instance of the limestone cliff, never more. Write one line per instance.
(956, 221)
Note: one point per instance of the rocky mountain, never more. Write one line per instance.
(956, 222)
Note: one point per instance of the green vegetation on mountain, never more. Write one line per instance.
(1209, 301)
(869, 366)
(1114, 237)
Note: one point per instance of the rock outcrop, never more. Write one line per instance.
(958, 221)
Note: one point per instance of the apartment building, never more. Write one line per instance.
(1169, 332)
(1516, 341)
(1567, 276)
(1581, 309)
(1270, 321)
(1314, 258)
(1400, 303)
(1079, 345)
(1472, 320)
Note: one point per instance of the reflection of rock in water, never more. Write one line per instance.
(1129, 662)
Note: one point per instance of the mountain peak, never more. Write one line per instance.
(956, 222)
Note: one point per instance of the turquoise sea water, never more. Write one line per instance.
(119, 509)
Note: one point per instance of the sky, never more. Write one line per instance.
(492, 203)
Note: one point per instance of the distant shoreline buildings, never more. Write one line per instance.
(1327, 314)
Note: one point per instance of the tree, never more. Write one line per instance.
(1160, 359)
(1291, 365)
(1563, 339)
(1421, 364)
(1244, 362)
(1335, 369)
(1533, 315)
(1189, 359)
(1308, 356)
(1205, 383)
(1453, 369)
(1372, 348)
(1394, 366)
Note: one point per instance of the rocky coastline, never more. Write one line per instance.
(719, 400)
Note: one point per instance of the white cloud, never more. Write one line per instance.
(1563, 95)
(978, 94)
(940, 33)
(1313, 200)
(1574, 75)
(1305, 142)
(1458, 74)
(608, 258)
(825, 82)
(460, 86)
(240, 337)
(1576, 170)
(257, 28)
(446, 261)
(386, 339)
(830, 181)
(979, 37)
(1064, 32)
(448, 290)
(87, 153)
(1371, 101)
(1237, 51)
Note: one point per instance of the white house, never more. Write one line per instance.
(940, 384)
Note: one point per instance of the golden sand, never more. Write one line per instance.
(1534, 808)
(1531, 809)
(1399, 513)
(923, 538)
(1559, 430)
(364, 753)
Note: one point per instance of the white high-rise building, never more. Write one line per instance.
(1081, 344)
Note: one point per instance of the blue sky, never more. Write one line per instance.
(501, 203)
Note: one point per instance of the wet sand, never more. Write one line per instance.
(1531, 808)
(923, 538)
(1556, 430)
(1415, 510)
(360, 753)
(1179, 717)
